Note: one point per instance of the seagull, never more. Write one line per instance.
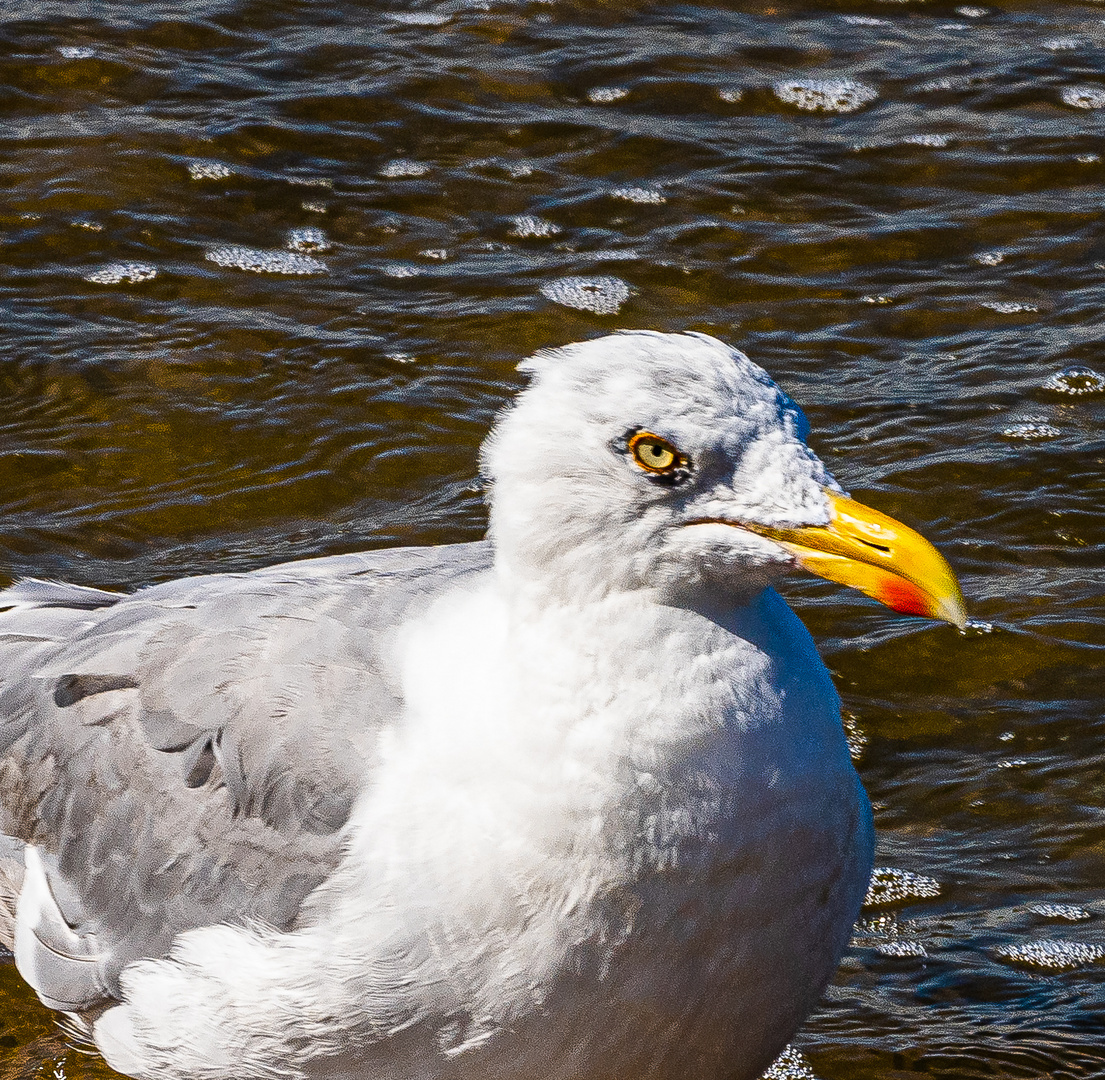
(570, 803)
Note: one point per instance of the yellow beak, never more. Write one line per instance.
(879, 556)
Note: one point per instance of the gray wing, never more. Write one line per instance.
(188, 754)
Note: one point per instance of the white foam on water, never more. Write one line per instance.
(969, 12)
(731, 95)
(1076, 381)
(791, 1064)
(854, 735)
(127, 273)
(437, 254)
(419, 18)
(86, 223)
(527, 227)
(1008, 307)
(601, 295)
(928, 140)
(313, 207)
(1083, 97)
(307, 238)
(989, 258)
(1062, 44)
(825, 95)
(259, 261)
(1031, 430)
(401, 270)
(889, 885)
(209, 170)
(77, 52)
(900, 948)
(604, 95)
(646, 196)
(404, 167)
(1050, 953)
(1067, 912)
(864, 20)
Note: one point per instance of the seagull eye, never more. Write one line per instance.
(654, 454)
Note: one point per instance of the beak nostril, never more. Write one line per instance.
(877, 547)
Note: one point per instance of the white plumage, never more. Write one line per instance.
(573, 803)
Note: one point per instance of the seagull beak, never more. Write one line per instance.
(879, 556)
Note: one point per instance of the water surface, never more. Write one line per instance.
(269, 267)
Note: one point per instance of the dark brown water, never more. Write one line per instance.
(268, 267)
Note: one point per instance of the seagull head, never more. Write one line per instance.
(672, 463)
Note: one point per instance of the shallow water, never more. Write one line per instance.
(269, 267)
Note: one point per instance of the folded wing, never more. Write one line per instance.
(189, 754)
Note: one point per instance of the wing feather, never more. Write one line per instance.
(189, 754)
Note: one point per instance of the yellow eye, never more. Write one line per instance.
(655, 454)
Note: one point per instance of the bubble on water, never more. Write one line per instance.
(1008, 307)
(403, 167)
(601, 295)
(646, 196)
(825, 95)
(1083, 97)
(791, 1064)
(1067, 912)
(307, 238)
(1076, 381)
(731, 95)
(901, 948)
(889, 885)
(1050, 953)
(124, 273)
(1087, 159)
(259, 261)
(603, 95)
(979, 626)
(1031, 430)
(1007, 736)
(528, 227)
(209, 170)
(933, 140)
(77, 52)
(881, 300)
(989, 258)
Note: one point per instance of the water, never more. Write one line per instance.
(269, 267)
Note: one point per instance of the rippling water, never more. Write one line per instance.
(269, 267)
